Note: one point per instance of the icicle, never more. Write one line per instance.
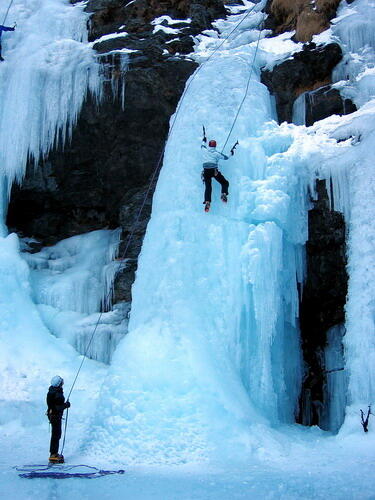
(337, 382)
(299, 110)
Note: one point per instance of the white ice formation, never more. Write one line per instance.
(211, 367)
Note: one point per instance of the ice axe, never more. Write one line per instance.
(234, 148)
(204, 134)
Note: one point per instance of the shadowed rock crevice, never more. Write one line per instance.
(323, 300)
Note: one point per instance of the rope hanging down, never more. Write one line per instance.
(153, 176)
(247, 88)
(7, 12)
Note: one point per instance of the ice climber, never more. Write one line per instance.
(4, 28)
(211, 159)
(56, 406)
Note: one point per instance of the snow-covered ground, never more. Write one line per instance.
(200, 397)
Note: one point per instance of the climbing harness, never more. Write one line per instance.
(58, 471)
(364, 421)
(154, 175)
(7, 12)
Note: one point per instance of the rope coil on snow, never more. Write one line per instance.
(64, 472)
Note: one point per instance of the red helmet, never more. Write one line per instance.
(212, 144)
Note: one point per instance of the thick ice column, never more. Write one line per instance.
(360, 339)
(299, 110)
(185, 384)
(336, 379)
(353, 188)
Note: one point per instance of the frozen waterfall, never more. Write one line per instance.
(213, 347)
(49, 69)
(211, 368)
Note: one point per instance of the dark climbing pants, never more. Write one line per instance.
(55, 434)
(208, 174)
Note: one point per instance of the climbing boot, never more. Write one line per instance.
(55, 458)
(207, 206)
(224, 198)
(2, 58)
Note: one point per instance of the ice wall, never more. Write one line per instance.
(71, 282)
(47, 72)
(49, 67)
(353, 184)
(299, 110)
(337, 383)
(213, 340)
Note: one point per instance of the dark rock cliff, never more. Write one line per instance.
(309, 69)
(100, 178)
(323, 301)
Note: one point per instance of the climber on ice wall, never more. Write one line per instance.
(211, 159)
(4, 28)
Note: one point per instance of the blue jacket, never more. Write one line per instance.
(5, 28)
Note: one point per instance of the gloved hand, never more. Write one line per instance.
(67, 404)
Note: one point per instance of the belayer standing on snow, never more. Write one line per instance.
(211, 159)
(4, 28)
(56, 406)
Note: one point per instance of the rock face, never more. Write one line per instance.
(323, 301)
(100, 179)
(308, 70)
(326, 101)
(305, 17)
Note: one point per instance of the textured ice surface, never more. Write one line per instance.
(73, 280)
(213, 355)
(214, 339)
(48, 70)
(337, 384)
(213, 348)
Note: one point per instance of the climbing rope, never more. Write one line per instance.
(7, 12)
(59, 471)
(247, 88)
(154, 174)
